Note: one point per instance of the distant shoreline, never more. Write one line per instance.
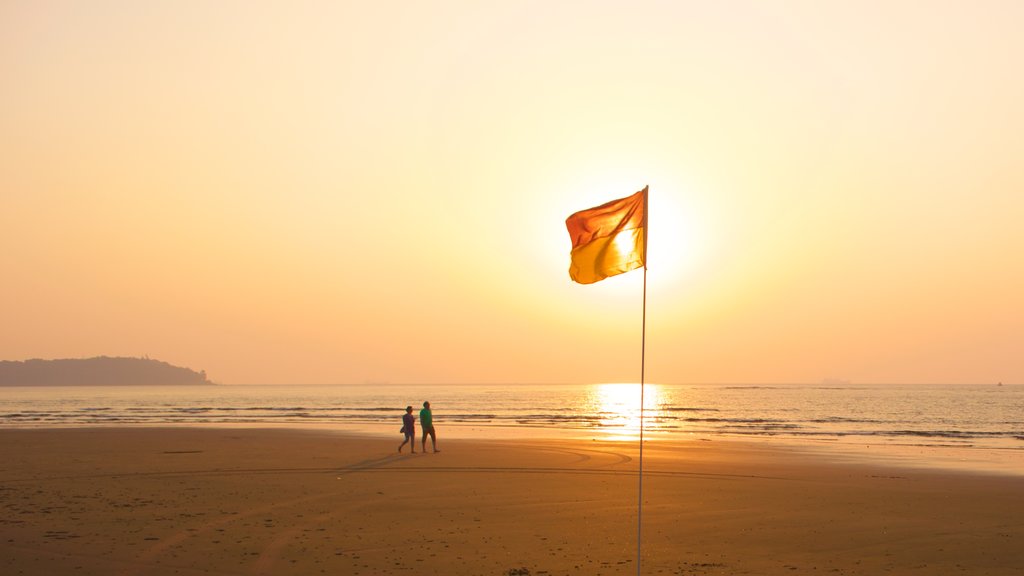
(98, 371)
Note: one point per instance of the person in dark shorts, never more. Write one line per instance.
(427, 423)
(409, 427)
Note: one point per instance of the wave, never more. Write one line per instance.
(828, 411)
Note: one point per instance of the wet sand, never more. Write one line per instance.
(144, 501)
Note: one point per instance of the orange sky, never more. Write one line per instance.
(335, 192)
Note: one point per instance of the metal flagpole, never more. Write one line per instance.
(643, 353)
(640, 490)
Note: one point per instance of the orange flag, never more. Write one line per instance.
(609, 239)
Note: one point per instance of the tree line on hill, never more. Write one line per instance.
(99, 371)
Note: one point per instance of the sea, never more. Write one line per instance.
(981, 425)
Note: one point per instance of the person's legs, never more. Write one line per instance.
(433, 439)
(410, 439)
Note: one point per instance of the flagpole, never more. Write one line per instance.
(643, 353)
(640, 488)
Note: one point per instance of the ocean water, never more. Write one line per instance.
(978, 416)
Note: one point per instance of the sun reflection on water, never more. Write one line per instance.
(617, 407)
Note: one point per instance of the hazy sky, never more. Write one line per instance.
(335, 192)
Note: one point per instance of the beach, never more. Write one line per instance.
(233, 501)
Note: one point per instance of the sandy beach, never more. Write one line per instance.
(145, 501)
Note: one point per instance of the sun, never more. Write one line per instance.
(676, 239)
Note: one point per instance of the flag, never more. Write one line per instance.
(608, 239)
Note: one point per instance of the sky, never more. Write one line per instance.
(366, 192)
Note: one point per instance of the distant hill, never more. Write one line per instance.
(100, 371)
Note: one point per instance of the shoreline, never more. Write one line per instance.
(187, 500)
(969, 458)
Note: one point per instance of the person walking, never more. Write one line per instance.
(427, 422)
(409, 427)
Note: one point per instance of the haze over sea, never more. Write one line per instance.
(974, 425)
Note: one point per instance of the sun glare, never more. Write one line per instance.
(617, 407)
(624, 245)
(676, 240)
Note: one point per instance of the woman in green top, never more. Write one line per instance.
(427, 424)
